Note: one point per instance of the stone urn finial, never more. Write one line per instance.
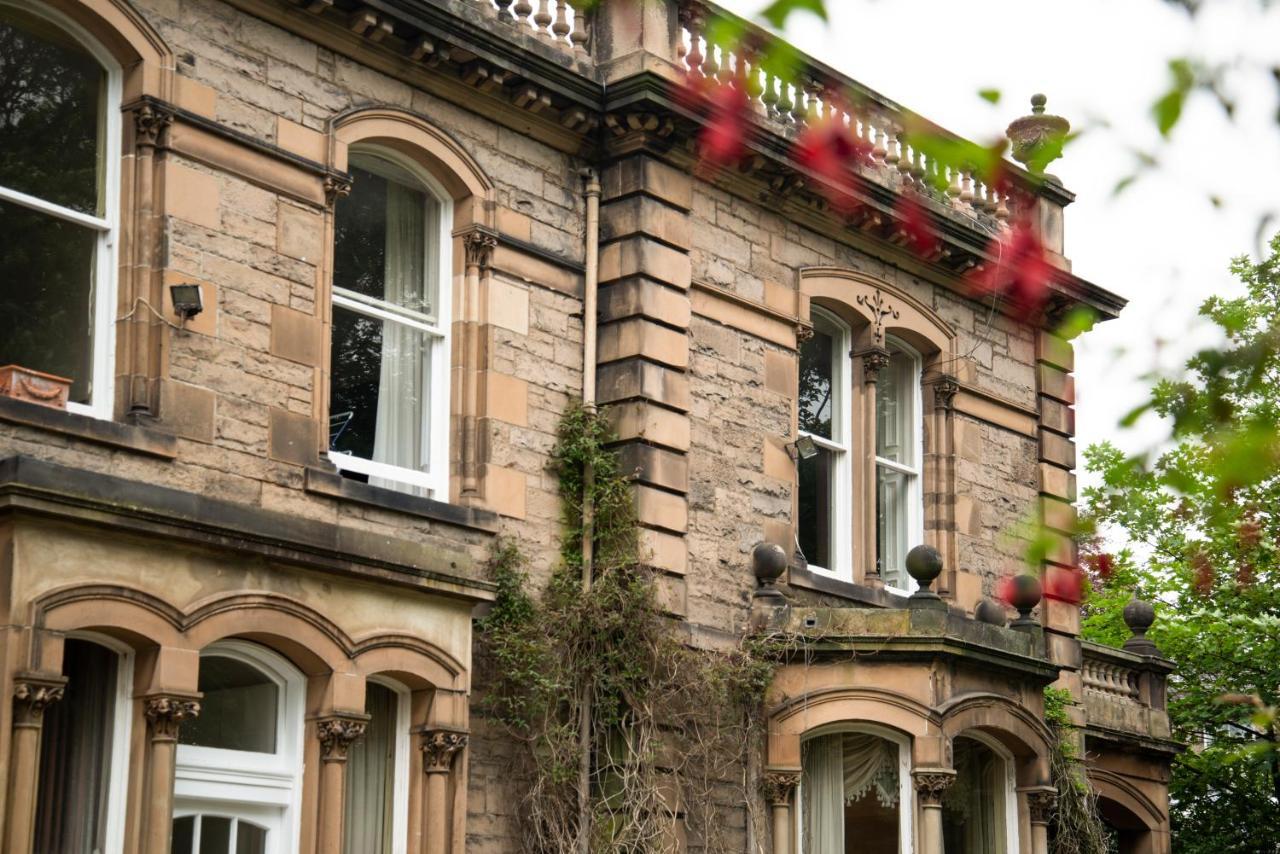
(924, 564)
(1037, 139)
(768, 562)
(1138, 616)
(1025, 594)
(991, 612)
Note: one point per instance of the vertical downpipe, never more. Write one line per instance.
(591, 280)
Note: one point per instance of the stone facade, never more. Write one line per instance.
(203, 506)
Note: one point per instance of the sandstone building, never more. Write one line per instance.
(240, 566)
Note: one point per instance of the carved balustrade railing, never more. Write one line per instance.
(561, 23)
(1115, 679)
(1125, 691)
(789, 91)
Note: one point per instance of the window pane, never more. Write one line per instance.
(385, 232)
(250, 839)
(973, 807)
(371, 776)
(51, 112)
(215, 834)
(379, 382)
(184, 834)
(238, 710)
(75, 753)
(817, 476)
(46, 295)
(818, 382)
(850, 795)
(895, 409)
(893, 493)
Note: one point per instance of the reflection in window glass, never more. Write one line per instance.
(897, 469)
(238, 710)
(213, 834)
(371, 777)
(973, 807)
(850, 792)
(75, 753)
(821, 505)
(816, 382)
(816, 505)
(895, 409)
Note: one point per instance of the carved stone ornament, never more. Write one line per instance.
(337, 735)
(479, 247)
(150, 122)
(1041, 804)
(166, 714)
(439, 746)
(879, 310)
(779, 786)
(33, 695)
(944, 392)
(873, 362)
(336, 187)
(931, 784)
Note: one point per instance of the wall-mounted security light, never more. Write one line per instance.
(188, 301)
(803, 448)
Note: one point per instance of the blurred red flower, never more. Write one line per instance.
(1021, 272)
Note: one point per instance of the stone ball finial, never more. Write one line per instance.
(991, 612)
(768, 562)
(1138, 616)
(1025, 594)
(1037, 139)
(924, 564)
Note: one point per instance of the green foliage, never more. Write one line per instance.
(610, 649)
(1201, 520)
(1077, 826)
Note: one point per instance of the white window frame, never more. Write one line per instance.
(840, 446)
(400, 771)
(263, 788)
(906, 790)
(435, 429)
(241, 815)
(117, 770)
(915, 474)
(1010, 786)
(102, 400)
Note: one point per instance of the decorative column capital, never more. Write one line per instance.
(944, 392)
(337, 733)
(780, 785)
(150, 121)
(336, 187)
(166, 712)
(874, 361)
(479, 245)
(32, 694)
(439, 746)
(930, 784)
(1041, 802)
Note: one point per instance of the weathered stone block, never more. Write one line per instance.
(641, 297)
(655, 466)
(636, 378)
(657, 508)
(640, 256)
(650, 423)
(295, 335)
(637, 215)
(642, 174)
(638, 337)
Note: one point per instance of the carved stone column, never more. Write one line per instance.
(941, 481)
(478, 246)
(32, 694)
(930, 784)
(779, 788)
(151, 121)
(1040, 801)
(165, 714)
(439, 747)
(336, 734)
(873, 362)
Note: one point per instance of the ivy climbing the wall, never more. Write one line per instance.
(1077, 826)
(671, 728)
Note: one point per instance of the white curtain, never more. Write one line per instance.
(367, 826)
(398, 435)
(870, 763)
(822, 794)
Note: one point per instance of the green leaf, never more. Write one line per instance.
(1168, 110)
(777, 12)
(991, 96)
(1123, 184)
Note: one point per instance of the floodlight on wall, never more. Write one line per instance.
(803, 448)
(188, 301)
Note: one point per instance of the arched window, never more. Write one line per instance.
(899, 428)
(855, 795)
(59, 164)
(389, 392)
(978, 812)
(825, 482)
(377, 792)
(84, 753)
(239, 764)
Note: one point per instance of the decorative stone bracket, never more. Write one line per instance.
(165, 713)
(32, 694)
(338, 733)
(439, 746)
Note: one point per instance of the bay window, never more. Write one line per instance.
(855, 795)
(977, 809)
(377, 793)
(824, 478)
(389, 361)
(59, 155)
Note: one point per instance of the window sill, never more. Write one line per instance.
(817, 582)
(112, 433)
(333, 485)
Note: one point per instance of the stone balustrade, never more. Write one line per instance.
(1111, 678)
(1125, 692)
(558, 21)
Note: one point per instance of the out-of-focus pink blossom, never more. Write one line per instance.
(1021, 272)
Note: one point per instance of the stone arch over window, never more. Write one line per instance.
(900, 363)
(165, 644)
(444, 168)
(1142, 825)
